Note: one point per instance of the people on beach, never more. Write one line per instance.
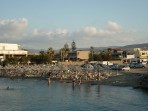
(70, 73)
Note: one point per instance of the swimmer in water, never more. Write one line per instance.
(7, 88)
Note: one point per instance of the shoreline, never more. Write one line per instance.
(68, 74)
(124, 79)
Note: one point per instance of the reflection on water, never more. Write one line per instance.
(36, 95)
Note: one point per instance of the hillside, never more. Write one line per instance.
(142, 46)
(127, 47)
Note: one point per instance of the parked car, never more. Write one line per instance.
(117, 67)
(140, 66)
(144, 62)
(113, 67)
(126, 68)
(137, 65)
(87, 66)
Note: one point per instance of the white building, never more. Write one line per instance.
(11, 50)
(141, 55)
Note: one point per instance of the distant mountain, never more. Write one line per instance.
(97, 48)
(34, 51)
(127, 47)
(142, 46)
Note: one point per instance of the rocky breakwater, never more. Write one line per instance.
(24, 71)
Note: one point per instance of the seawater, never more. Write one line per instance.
(36, 95)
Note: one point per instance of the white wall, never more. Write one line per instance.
(6, 46)
(130, 56)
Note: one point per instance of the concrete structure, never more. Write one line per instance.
(11, 50)
(140, 55)
(127, 56)
(117, 54)
(79, 55)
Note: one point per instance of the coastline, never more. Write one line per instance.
(124, 79)
(120, 78)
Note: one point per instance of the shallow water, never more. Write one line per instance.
(36, 95)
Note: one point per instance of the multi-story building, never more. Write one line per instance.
(140, 55)
(11, 50)
(117, 53)
(79, 55)
(127, 56)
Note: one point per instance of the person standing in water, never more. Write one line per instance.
(49, 80)
(99, 77)
(80, 80)
(73, 82)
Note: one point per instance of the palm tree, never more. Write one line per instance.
(64, 53)
(50, 53)
(42, 52)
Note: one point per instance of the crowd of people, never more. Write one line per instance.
(62, 72)
(75, 74)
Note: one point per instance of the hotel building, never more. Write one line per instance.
(11, 50)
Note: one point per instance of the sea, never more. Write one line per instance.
(37, 95)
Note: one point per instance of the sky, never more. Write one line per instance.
(40, 24)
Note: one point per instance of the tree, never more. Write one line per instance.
(105, 55)
(97, 57)
(109, 52)
(64, 53)
(43, 57)
(124, 54)
(102, 56)
(66, 47)
(11, 60)
(92, 52)
(73, 46)
(24, 59)
(42, 52)
(50, 53)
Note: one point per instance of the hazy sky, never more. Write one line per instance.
(41, 24)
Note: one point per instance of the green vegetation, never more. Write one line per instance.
(16, 60)
(64, 53)
(73, 46)
(43, 57)
(102, 56)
